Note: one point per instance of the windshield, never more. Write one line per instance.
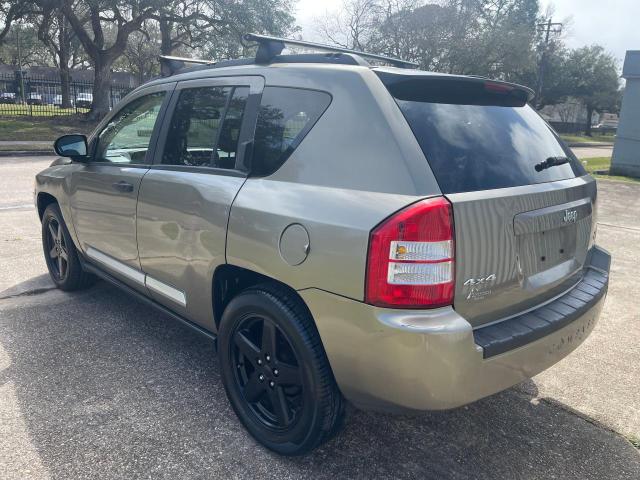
(482, 147)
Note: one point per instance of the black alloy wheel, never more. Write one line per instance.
(267, 372)
(275, 371)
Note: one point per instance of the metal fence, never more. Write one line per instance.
(42, 96)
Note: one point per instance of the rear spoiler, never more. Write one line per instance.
(454, 89)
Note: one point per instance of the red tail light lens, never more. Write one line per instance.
(497, 87)
(411, 257)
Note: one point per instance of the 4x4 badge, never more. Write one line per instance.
(479, 281)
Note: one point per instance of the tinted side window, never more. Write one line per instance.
(126, 138)
(286, 115)
(194, 126)
(227, 145)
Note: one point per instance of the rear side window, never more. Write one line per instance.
(482, 147)
(286, 115)
(205, 127)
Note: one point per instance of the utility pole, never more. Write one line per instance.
(547, 28)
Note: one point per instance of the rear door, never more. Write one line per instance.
(186, 196)
(103, 192)
(523, 207)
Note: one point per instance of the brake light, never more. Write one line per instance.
(497, 87)
(411, 257)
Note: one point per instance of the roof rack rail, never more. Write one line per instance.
(170, 65)
(269, 47)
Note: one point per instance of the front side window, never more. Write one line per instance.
(286, 115)
(205, 127)
(125, 140)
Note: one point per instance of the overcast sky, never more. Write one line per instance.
(614, 24)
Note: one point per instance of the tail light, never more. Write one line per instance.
(411, 257)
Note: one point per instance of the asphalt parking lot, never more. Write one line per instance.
(97, 385)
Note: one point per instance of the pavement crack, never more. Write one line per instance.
(29, 293)
(634, 441)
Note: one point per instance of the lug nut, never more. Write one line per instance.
(268, 358)
(275, 372)
(261, 378)
(272, 384)
(259, 362)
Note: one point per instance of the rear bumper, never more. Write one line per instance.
(396, 360)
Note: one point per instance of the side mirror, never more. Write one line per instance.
(73, 146)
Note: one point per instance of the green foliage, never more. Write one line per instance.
(493, 38)
(32, 51)
(594, 78)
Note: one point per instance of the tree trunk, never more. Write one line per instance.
(587, 130)
(65, 49)
(166, 47)
(101, 88)
(65, 85)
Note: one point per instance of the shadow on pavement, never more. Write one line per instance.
(109, 388)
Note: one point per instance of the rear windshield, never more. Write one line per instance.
(481, 147)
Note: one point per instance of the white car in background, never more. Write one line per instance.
(84, 100)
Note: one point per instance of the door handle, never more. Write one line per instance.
(123, 186)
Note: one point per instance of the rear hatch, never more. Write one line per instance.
(524, 212)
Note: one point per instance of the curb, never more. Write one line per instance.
(26, 153)
(590, 145)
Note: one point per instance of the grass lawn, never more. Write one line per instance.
(27, 147)
(19, 109)
(41, 128)
(583, 139)
(604, 163)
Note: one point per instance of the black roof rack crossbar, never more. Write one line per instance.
(169, 65)
(269, 47)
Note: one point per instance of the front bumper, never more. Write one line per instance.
(395, 360)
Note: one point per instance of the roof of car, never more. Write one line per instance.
(283, 62)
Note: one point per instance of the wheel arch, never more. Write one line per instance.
(229, 280)
(44, 199)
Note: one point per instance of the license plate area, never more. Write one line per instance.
(541, 251)
(552, 243)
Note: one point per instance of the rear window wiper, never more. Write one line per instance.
(551, 162)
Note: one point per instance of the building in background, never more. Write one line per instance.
(626, 151)
(567, 117)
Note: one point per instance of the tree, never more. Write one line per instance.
(89, 20)
(480, 37)
(10, 12)
(594, 77)
(104, 28)
(141, 54)
(32, 52)
(215, 28)
(56, 34)
(354, 26)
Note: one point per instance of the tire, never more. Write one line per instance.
(60, 253)
(289, 401)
